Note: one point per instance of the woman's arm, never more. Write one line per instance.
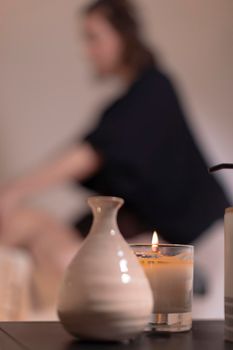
(79, 162)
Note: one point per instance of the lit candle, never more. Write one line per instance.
(169, 269)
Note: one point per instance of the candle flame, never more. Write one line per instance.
(155, 241)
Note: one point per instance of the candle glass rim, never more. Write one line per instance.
(162, 245)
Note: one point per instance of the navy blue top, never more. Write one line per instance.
(151, 160)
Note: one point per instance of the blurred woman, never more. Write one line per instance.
(141, 150)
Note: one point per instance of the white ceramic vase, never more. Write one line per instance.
(105, 295)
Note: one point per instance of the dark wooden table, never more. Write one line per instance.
(205, 335)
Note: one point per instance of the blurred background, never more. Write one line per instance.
(48, 95)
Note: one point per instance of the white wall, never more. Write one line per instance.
(47, 95)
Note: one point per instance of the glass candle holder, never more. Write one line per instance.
(169, 269)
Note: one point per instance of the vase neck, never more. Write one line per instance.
(105, 211)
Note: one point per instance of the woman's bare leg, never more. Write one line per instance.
(51, 245)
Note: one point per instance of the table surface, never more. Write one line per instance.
(205, 335)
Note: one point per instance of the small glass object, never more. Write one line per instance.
(228, 224)
(15, 275)
(169, 268)
(229, 274)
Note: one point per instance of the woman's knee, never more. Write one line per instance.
(21, 225)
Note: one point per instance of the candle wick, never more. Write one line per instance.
(155, 248)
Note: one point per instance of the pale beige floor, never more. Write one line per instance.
(209, 254)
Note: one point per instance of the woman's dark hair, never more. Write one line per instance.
(122, 17)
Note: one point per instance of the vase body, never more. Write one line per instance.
(105, 295)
